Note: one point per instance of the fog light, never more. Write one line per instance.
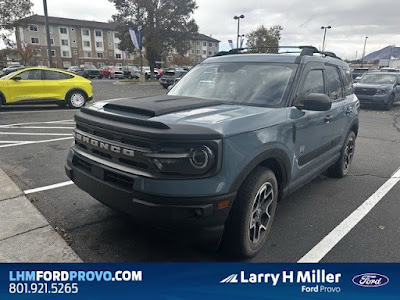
(223, 204)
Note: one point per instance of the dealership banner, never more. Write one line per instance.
(199, 281)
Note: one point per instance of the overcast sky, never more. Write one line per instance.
(351, 20)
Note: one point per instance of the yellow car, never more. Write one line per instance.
(45, 85)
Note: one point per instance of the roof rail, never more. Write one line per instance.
(303, 51)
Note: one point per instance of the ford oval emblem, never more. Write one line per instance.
(370, 280)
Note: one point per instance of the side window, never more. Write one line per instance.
(334, 84)
(348, 82)
(51, 75)
(313, 83)
(31, 75)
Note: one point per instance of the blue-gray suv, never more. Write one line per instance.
(211, 159)
(378, 88)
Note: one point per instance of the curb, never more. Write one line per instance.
(25, 234)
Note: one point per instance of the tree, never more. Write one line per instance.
(12, 11)
(167, 25)
(26, 53)
(265, 37)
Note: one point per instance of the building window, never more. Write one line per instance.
(64, 42)
(63, 30)
(197, 51)
(204, 44)
(35, 40)
(204, 52)
(33, 28)
(192, 51)
(99, 44)
(116, 45)
(87, 54)
(209, 53)
(99, 33)
(53, 53)
(51, 41)
(116, 35)
(65, 54)
(216, 45)
(198, 43)
(86, 43)
(100, 55)
(118, 56)
(209, 44)
(85, 32)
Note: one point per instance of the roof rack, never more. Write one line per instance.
(303, 51)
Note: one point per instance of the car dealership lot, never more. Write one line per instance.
(34, 142)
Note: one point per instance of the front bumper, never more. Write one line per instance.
(374, 99)
(200, 215)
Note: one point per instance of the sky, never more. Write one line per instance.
(351, 20)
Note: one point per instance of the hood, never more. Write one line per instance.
(227, 119)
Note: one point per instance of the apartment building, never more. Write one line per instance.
(79, 42)
(73, 42)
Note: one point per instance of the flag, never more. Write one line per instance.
(133, 37)
(230, 43)
(140, 36)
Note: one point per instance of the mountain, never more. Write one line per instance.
(383, 54)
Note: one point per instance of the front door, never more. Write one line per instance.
(25, 86)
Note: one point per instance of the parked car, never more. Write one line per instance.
(76, 70)
(393, 70)
(146, 71)
(378, 88)
(45, 85)
(91, 72)
(171, 77)
(111, 72)
(211, 161)
(359, 72)
(131, 72)
(12, 68)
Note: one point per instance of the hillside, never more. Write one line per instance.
(383, 53)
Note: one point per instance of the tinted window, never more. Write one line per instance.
(348, 82)
(313, 83)
(334, 84)
(31, 75)
(51, 75)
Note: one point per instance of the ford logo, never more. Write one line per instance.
(370, 280)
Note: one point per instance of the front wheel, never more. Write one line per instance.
(388, 106)
(76, 99)
(252, 214)
(342, 166)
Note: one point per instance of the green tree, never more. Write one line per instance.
(12, 11)
(167, 25)
(265, 37)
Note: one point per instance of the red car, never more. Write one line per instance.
(111, 72)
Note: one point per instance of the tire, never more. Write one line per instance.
(76, 99)
(388, 106)
(147, 76)
(243, 235)
(342, 166)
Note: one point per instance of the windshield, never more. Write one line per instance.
(378, 79)
(258, 84)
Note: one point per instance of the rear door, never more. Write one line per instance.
(397, 88)
(56, 84)
(313, 131)
(30, 86)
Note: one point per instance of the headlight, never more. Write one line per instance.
(196, 159)
(381, 92)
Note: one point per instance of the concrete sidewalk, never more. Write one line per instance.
(25, 235)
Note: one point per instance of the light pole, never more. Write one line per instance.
(324, 28)
(365, 45)
(238, 19)
(46, 16)
(241, 40)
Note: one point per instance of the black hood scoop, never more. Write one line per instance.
(158, 105)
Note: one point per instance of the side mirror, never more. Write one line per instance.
(317, 102)
(16, 78)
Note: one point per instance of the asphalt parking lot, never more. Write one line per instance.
(34, 142)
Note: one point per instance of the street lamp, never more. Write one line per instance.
(365, 45)
(325, 28)
(46, 18)
(238, 19)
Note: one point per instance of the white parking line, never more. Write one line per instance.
(38, 127)
(35, 111)
(327, 243)
(34, 133)
(37, 142)
(48, 187)
(11, 142)
(30, 123)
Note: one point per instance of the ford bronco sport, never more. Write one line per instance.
(213, 156)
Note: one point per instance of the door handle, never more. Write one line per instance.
(348, 110)
(328, 118)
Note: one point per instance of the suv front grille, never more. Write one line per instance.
(365, 91)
